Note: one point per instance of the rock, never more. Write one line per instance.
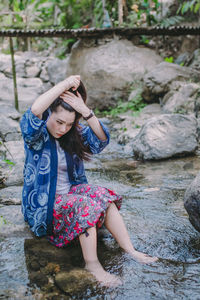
(196, 60)
(134, 94)
(44, 75)
(33, 71)
(181, 101)
(11, 195)
(12, 163)
(15, 176)
(108, 69)
(192, 202)
(74, 281)
(28, 90)
(9, 111)
(38, 278)
(56, 70)
(9, 129)
(131, 124)
(166, 136)
(159, 80)
(6, 66)
(15, 151)
(12, 222)
(184, 59)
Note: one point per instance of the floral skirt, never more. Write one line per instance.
(83, 207)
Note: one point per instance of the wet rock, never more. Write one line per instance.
(192, 202)
(38, 278)
(74, 281)
(159, 80)
(34, 265)
(52, 268)
(166, 136)
(107, 69)
(11, 195)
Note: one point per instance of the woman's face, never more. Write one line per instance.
(60, 122)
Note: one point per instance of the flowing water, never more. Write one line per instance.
(157, 223)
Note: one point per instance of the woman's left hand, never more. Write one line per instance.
(75, 101)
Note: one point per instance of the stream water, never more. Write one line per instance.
(158, 225)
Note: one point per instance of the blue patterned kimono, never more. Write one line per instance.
(40, 169)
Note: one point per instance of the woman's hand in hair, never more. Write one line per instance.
(72, 82)
(75, 101)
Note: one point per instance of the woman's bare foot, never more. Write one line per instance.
(103, 277)
(143, 258)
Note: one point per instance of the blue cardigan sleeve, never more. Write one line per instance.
(96, 145)
(33, 130)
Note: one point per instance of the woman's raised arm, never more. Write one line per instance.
(46, 99)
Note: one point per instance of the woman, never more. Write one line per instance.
(57, 200)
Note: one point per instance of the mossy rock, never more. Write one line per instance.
(74, 281)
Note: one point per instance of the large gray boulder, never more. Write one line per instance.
(160, 80)
(109, 69)
(166, 136)
(192, 202)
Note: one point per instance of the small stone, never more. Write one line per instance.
(38, 278)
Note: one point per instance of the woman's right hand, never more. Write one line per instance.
(73, 82)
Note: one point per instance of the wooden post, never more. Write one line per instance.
(14, 73)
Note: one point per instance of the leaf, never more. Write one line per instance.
(8, 162)
(169, 59)
(197, 7)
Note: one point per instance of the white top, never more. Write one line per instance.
(63, 185)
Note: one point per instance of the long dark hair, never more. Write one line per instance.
(72, 141)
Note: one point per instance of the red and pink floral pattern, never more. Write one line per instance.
(83, 207)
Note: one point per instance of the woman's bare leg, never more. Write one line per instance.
(117, 228)
(92, 264)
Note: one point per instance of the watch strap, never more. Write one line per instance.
(90, 116)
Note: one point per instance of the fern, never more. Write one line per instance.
(193, 6)
(171, 21)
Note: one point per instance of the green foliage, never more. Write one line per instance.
(149, 10)
(171, 21)
(9, 162)
(144, 39)
(186, 6)
(2, 221)
(136, 105)
(169, 59)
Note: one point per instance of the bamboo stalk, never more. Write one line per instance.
(120, 12)
(14, 73)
